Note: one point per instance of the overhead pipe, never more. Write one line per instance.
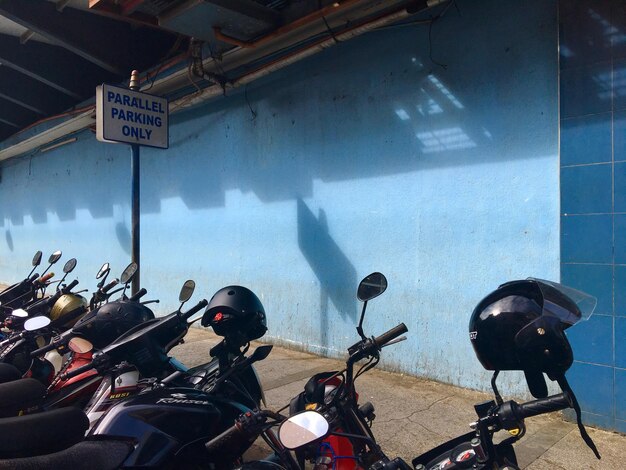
(215, 90)
(333, 8)
(87, 119)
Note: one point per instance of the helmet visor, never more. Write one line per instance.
(567, 304)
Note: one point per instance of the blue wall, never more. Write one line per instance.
(593, 198)
(366, 157)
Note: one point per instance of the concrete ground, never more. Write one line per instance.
(414, 415)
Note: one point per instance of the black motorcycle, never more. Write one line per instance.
(168, 422)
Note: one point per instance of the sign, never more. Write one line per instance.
(132, 117)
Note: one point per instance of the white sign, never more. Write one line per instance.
(123, 115)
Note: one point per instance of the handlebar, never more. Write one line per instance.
(55, 342)
(390, 335)
(97, 360)
(140, 293)
(510, 415)
(33, 278)
(193, 310)
(70, 286)
(109, 286)
(45, 278)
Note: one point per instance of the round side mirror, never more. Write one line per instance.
(80, 345)
(69, 266)
(103, 270)
(302, 429)
(36, 323)
(37, 258)
(20, 313)
(128, 273)
(372, 286)
(186, 291)
(54, 257)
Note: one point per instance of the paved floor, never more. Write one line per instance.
(415, 415)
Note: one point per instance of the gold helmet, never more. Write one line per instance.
(69, 304)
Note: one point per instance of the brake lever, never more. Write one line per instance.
(394, 341)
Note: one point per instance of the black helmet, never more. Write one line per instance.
(103, 325)
(237, 314)
(520, 326)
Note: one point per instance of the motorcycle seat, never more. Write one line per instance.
(8, 373)
(42, 433)
(20, 395)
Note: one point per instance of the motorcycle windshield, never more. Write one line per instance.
(576, 305)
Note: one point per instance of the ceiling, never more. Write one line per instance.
(53, 53)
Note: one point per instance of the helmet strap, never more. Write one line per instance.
(499, 400)
(562, 381)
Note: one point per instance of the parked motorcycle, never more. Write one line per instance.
(28, 290)
(519, 326)
(167, 423)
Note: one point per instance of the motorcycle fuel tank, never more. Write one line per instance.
(167, 423)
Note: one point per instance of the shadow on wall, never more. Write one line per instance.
(332, 268)
(9, 238)
(360, 118)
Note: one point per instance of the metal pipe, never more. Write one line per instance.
(135, 197)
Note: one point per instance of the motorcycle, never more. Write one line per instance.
(168, 422)
(539, 336)
(28, 290)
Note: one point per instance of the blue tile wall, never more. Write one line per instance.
(586, 90)
(587, 139)
(597, 399)
(587, 189)
(619, 249)
(620, 342)
(619, 274)
(620, 187)
(620, 393)
(596, 280)
(587, 239)
(593, 340)
(592, 66)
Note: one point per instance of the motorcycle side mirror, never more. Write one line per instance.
(37, 258)
(54, 257)
(103, 270)
(36, 323)
(302, 429)
(128, 273)
(80, 345)
(372, 286)
(20, 313)
(261, 353)
(69, 266)
(186, 291)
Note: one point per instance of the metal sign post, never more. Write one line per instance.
(129, 116)
(135, 211)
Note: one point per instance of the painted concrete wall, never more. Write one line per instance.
(366, 157)
(593, 198)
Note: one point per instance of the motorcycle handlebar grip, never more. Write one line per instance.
(78, 371)
(140, 293)
(110, 286)
(390, 335)
(189, 313)
(45, 277)
(44, 350)
(70, 286)
(544, 405)
(228, 442)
